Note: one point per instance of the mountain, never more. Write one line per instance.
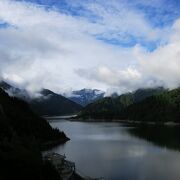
(46, 103)
(23, 120)
(114, 107)
(22, 136)
(5, 85)
(164, 107)
(107, 108)
(86, 96)
(14, 91)
(141, 94)
(50, 103)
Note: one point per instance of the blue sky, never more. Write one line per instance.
(117, 45)
(158, 13)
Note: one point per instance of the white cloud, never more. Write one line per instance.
(116, 19)
(125, 80)
(152, 69)
(46, 49)
(163, 64)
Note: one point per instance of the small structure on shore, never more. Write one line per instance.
(65, 168)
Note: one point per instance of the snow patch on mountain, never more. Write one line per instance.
(85, 96)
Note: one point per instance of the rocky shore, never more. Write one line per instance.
(65, 168)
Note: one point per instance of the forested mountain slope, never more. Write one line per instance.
(22, 135)
(115, 107)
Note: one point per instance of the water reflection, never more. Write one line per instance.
(165, 136)
(119, 152)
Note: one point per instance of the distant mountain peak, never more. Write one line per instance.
(85, 96)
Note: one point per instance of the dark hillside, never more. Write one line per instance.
(22, 135)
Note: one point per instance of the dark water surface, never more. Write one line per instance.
(118, 152)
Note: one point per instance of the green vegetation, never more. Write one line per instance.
(118, 107)
(152, 106)
(160, 108)
(22, 136)
(109, 107)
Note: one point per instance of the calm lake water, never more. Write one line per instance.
(118, 152)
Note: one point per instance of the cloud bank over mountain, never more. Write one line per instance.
(114, 46)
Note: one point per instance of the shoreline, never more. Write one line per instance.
(65, 168)
(55, 118)
(169, 123)
(51, 144)
(125, 122)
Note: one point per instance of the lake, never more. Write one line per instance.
(117, 151)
